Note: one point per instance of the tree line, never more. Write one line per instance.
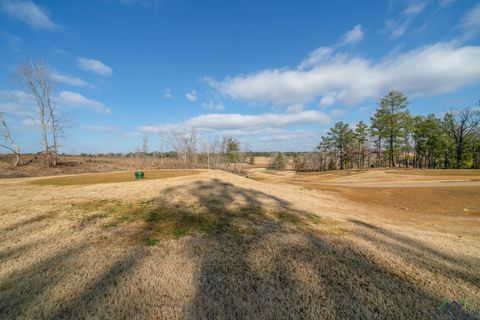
(395, 138)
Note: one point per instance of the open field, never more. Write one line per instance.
(216, 245)
(37, 167)
(111, 177)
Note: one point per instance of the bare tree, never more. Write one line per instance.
(34, 75)
(461, 125)
(144, 148)
(10, 143)
(185, 145)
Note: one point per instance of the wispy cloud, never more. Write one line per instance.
(191, 96)
(95, 66)
(13, 40)
(68, 79)
(100, 128)
(316, 57)
(211, 105)
(17, 102)
(150, 4)
(397, 27)
(353, 36)
(167, 93)
(30, 13)
(215, 121)
(471, 23)
(29, 122)
(433, 69)
(74, 99)
(446, 3)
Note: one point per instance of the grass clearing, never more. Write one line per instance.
(112, 177)
(219, 245)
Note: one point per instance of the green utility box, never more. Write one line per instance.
(139, 175)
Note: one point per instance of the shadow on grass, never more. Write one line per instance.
(257, 258)
(422, 255)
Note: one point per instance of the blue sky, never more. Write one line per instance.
(274, 74)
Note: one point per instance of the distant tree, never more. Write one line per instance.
(185, 146)
(144, 147)
(361, 138)
(462, 126)
(407, 130)
(9, 142)
(341, 138)
(429, 141)
(388, 122)
(233, 150)
(279, 162)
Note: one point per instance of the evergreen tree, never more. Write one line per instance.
(341, 137)
(233, 150)
(361, 138)
(389, 122)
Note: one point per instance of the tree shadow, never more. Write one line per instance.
(421, 255)
(307, 275)
(256, 257)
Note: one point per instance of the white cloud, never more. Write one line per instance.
(215, 121)
(471, 22)
(13, 40)
(433, 69)
(67, 79)
(167, 93)
(398, 26)
(95, 66)
(337, 112)
(289, 136)
(414, 9)
(74, 99)
(191, 96)
(17, 102)
(353, 36)
(99, 128)
(30, 13)
(316, 56)
(213, 105)
(327, 100)
(445, 3)
(30, 122)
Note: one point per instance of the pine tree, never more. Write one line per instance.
(389, 121)
(341, 138)
(361, 138)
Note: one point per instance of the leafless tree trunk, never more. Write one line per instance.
(145, 143)
(9, 140)
(34, 76)
(185, 145)
(461, 124)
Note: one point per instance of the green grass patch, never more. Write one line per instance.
(157, 219)
(150, 241)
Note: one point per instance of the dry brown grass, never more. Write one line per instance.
(111, 177)
(216, 245)
(77, 164)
